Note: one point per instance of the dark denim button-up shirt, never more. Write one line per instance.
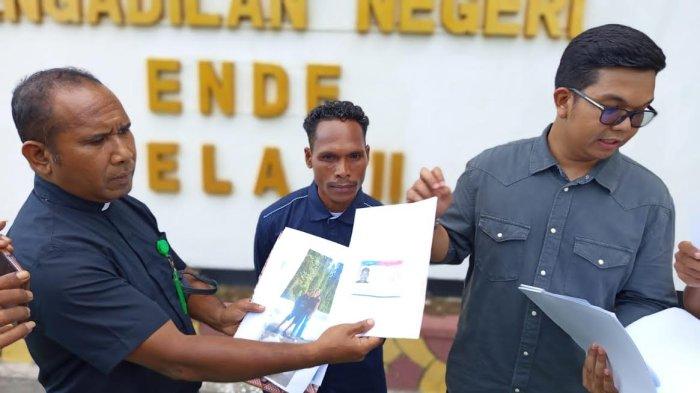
(606, 237)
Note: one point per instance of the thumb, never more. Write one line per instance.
(361, 327)
(248, 306)
(2, 224)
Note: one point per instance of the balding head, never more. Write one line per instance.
(32, 101)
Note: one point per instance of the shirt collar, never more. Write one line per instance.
(606, 172)
(610, 171)
(319, 211)
(54, 194)
(540, 157)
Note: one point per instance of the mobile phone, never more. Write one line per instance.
(9, 264)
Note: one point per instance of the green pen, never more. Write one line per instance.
(163, 249)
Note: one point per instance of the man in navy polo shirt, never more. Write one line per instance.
(338, 156)
(109, 314)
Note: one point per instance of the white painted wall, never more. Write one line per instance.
(440, 99)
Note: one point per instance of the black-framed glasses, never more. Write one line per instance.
(611, 116)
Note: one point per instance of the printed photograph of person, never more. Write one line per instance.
(385, 282)
(364, 275)
(301, 315)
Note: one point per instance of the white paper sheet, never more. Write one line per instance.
(670, 343)
(309, 283)
(296, 257)
(392, 245)
(587, 324)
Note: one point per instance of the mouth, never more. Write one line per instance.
(343, 187)
(609, 143)
(122, 178)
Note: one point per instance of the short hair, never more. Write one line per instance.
(334, 110)
(32, 101)
(606, 46)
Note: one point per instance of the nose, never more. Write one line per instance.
(123, 151)
(625, 126)
(341, 169)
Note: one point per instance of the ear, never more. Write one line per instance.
(367, 151)
(564, 101)
(307, 156)
(39, 157)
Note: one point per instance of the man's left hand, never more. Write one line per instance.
(232, 314)
(688, 264)
(597, 376)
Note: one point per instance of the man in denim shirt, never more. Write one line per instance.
(564, 211)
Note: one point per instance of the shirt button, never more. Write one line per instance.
(499, 235)
(553, 230)
(566, 189)
(517, 390)
(534, 313)
(543, 273)
(587, 177)
(525, 353)
(601, 262)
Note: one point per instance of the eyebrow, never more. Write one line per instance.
(621, 100)
(125, 127)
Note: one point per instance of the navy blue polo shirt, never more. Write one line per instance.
(100, 290)
(303, 210)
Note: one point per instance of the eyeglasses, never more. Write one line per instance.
(611, 116)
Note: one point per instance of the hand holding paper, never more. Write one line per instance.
(597, 376)
(343, 343)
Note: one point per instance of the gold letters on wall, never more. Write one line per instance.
(504, 18)
(497, 17)
(151, 12)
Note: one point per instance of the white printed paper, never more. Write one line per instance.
(309, 283)
(640, 361)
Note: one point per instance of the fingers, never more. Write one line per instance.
(2, 224)
(422, 188)
(687, 267)
(13, 315)
(14, 280)
(608, 383)
(429, 178)
(430, 183)
(14, 297)
(599, 370)
(437, 173)
(5, 243)
(361, 327)
(16, 333)
(689, 249)
(247, 306)
(369, 343)
(589, 366)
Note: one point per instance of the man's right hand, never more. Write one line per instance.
(341, 343)
(597, 376)
(431, 184)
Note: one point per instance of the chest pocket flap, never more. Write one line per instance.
(603, 256)
(502, 230)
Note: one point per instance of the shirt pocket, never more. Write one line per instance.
(500, 247)
(598, 270)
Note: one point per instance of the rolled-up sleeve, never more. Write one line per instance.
(458, 220)
(86, 307)
(650, 288)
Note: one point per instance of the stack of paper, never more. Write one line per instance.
(659, 353)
